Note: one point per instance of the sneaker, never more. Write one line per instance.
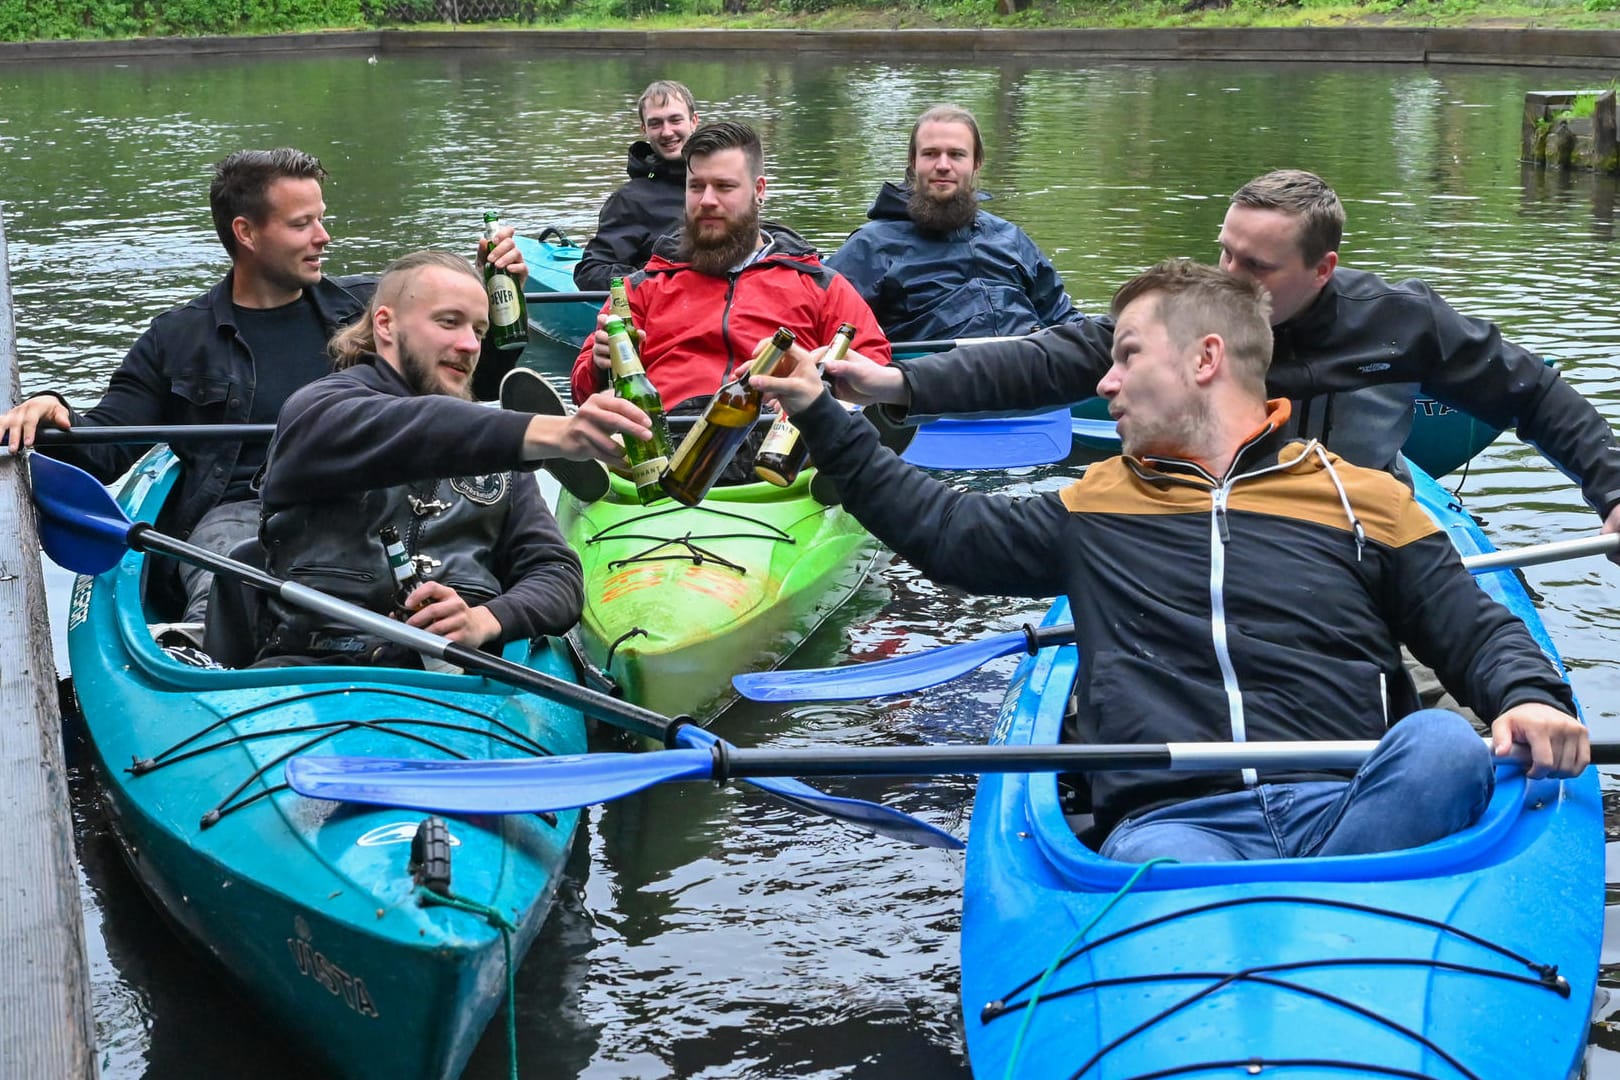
(525, 390)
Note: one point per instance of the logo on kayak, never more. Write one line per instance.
(79, 605)
(397, 832)
(485, 490)
(313, 964)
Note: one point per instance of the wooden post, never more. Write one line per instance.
(47, 1029)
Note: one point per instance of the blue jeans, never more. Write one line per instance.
(221, 529)
(1429, 777)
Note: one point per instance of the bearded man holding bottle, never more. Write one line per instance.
(724, 283)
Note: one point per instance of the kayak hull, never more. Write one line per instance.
(311, 905)
(1323, 963)
(679, 599)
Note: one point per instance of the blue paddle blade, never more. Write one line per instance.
(500, 786)
(81, 526)
(992, 443)
(875, 817)
(896, 675)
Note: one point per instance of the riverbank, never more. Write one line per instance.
(1541, 47)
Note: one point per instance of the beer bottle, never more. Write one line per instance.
(400, 564)
(648, 457)
(783, 453)
(619, 308)
(713, 441)
(508, 312)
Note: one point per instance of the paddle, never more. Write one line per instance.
(154, 433)
(918, 671)
(532, 785)
(992, 443)
(83, 528)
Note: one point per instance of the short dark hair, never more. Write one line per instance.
(664, 90)
(944, 114)
(1305, 196)
(727, 135)
(241, 186)
(1194, 299)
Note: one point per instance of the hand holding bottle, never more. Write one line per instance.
(502, 252)
(860, 381)
(601, 353)
(796, 383)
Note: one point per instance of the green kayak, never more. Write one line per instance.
(679, 599)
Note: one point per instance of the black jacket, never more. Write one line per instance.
(633, 218)
(190, 367)
(357, 450)
(1270, 603)
(1351, 363)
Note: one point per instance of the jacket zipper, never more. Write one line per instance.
(1218, 537)
(725, 327)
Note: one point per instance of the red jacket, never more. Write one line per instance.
(699, 328)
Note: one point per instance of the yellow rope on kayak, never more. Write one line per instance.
(1057, 961)
(504, 925)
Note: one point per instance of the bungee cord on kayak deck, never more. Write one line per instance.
(492, 728)
(698, 554)
(1545, 976)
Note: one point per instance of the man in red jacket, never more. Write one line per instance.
(725, 282)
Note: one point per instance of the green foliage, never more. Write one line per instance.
(36, 20)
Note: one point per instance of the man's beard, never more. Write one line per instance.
(421, 373)
(946, 215)
(715, 255)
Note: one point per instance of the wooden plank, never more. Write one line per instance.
(48, 1029)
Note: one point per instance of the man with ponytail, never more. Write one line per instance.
(392, 437)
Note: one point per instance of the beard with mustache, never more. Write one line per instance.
(943, 215)
(421, 373)
(715, 255)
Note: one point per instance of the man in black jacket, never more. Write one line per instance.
(231, 356)
(1351, 352)
(391, 438)
(1199, 566)
(654, 200)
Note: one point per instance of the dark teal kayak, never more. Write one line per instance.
(311, 906)
(551, 260)
(1476, 956)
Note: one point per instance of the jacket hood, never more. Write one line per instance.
(890, 204)
(645, 163)
(666, 252)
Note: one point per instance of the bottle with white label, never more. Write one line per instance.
(783, 453)
(508, 312)
(648, 457)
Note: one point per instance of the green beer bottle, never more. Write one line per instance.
(619, 308)
(713, 441)
(648, 457)
(400, 564)
(508, 312)
(783, 453)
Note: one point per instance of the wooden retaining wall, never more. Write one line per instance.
(46, 1027)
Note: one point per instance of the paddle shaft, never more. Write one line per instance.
(633, 718)
(154, 433)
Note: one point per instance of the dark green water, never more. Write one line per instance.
(714, 935)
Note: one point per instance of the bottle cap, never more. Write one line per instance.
(614, 326)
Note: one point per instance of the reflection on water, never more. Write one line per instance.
(715, 934)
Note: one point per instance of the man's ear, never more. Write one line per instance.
(1211, 359)
(244, 231)
(1324, 269)
(759, 191)
(382, 325)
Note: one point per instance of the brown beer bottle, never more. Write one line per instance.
(713, 441)
(783, 453)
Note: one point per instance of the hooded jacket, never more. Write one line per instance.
(700, 327)
(357, 450)
(1352, 363)
(1266, 604)
(652, 203)
(985, 279)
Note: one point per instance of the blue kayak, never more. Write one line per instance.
(1476, 956)
(556, 325)
(312, 907)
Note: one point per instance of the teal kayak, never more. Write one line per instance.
(679, 599)
(1475, 956)
(312, 907)
(555, 325)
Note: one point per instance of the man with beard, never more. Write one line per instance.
(1193, 633)
(712, 292)
(392, 438)
(649, 204)
(934, 265)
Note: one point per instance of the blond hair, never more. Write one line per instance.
(354, 342)
(1194, 300)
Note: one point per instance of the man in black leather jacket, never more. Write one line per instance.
(654, 199)
(391, 439)
(1351, 353)
(231, 356)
